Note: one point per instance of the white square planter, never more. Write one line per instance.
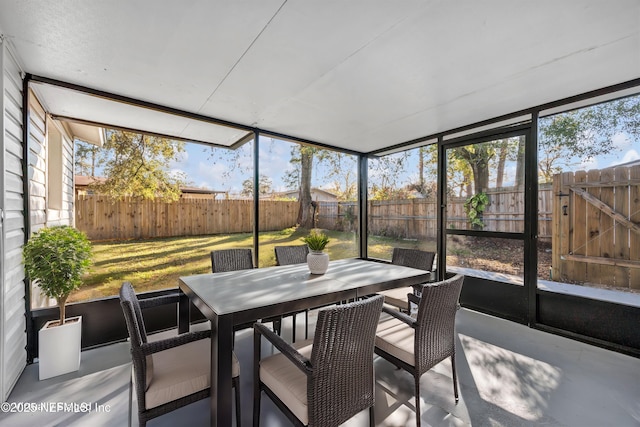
(59, 348)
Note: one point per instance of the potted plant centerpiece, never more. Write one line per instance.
(317, 259)
(56, 258)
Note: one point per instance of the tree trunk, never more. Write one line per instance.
(520, 162)
(502, 160)
(421, 154)
(480, 177)
(305, 214)
(62, 304)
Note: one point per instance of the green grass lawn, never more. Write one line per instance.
(157, 263)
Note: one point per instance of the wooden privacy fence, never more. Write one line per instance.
(102, 218)
(596, 227)
(417, 218)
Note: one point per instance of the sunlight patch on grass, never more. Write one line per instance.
(153, 264)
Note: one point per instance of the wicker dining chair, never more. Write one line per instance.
(168, 373)
(288, 255)
(225, 260)
(326, 380)
(417, 345)
(414, 258)
(231, 260)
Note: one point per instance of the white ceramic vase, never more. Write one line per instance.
(318, 262)
(59, 348)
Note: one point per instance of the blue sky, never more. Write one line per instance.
(228, 173)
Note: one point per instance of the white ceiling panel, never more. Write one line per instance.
(65, 104)
(360, 74)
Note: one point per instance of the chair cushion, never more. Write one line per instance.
(396, 338)
(181, 371)
(163, 336)
(288, 382)
(397, 297)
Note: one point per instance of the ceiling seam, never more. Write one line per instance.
(277, 12)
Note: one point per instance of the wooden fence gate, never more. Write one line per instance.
(596, 227)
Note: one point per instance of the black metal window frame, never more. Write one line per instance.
(529, 236)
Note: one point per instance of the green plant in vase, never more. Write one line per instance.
(316, 241)
(57, 257)
(317, 260)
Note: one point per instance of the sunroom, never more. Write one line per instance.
(429, 107)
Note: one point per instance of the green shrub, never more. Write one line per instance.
(57, 257)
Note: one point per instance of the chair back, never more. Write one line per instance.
(138, 335)
(132, 315)
(435, 331)
(413, 258)
(287, 255)
(341, 384)
(231, 260)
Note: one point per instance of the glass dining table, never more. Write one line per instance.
(236, 298)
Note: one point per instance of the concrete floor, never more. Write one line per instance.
(510, 375)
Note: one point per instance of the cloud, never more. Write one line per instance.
(621, 141)
(630, 156)
(177, 173)
(181, 160)
(588, 164)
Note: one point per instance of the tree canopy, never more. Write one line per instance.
(139, 165)
(580, 135)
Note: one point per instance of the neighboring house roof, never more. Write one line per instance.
(295, 193)
(635, 162)
(84, 181)
(198, 190)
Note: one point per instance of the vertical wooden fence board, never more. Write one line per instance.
(557, 231)
(634, 238)
(596, 224)
(621, 241)
(578, 235)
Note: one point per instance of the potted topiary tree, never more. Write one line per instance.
(317, 259)
(56, 258)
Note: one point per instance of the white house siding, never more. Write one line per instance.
(41, 212)
(12, 308)
(64, 215)
(37, 165)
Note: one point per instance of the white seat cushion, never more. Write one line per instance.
(181, 371)
(396, 338)
(288, 382)
(170, 333)
(397, 297)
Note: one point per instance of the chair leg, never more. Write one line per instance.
(277, 326)
(455, 377)
(372, 418)
(306, 324)
(236, 386)
(257, 355)
(418, 413)
(293, 337)
(256, 409)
